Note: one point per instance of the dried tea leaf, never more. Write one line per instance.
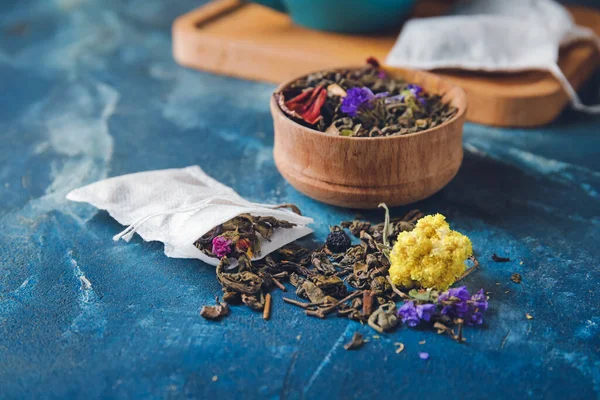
(429, 295)
(353, 255)
(322, 263)
(384, 319)
(216, 311)
(296, 280)
(356, 342)
(231, 297)
(330, 285)
(380, 285)
(497, 258)
(255, 302)
(292, 252)
(356, 226)
(516, 278)
(311, 291)
(399, 347)
(242, 282)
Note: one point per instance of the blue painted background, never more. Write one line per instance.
(88, 90)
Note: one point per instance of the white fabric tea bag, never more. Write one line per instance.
(552, 16)
(494, 36)
(178, 206)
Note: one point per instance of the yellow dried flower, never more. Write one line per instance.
(430, 256)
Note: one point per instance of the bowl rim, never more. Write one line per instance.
(459, 114)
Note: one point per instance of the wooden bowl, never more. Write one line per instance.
(363, 172)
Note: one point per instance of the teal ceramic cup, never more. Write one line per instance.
(345, 16)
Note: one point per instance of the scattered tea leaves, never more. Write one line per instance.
(351, 281)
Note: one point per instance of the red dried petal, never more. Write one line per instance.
(307, 105)
(297, 101)
(313, 114)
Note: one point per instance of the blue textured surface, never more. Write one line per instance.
(88, 90)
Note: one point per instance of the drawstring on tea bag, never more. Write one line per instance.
(575, 100)
(584, 34)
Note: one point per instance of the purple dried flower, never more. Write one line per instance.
(414, 89)
(411, 315)
(359, 99)
(423, 355)
(411, 91)
(426, 311)
(479, 300)
(476, 318)
(221, 246)
(356, 98)
(458, 303)
(461, 293)
(408, 313)
(394, 99)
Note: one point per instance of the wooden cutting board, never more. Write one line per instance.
(249, 41)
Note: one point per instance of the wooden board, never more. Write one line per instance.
(253, 42)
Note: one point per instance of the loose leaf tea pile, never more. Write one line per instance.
(363, 102)
(351, 281)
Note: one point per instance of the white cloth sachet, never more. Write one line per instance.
(493, 36)
(178, 206)
(552, 16)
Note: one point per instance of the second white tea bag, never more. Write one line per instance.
(490, 35)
